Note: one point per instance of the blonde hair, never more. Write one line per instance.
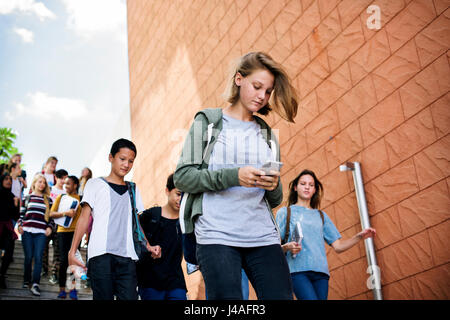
(45, 193)
(284, 97)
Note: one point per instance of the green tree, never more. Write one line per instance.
(7, 149)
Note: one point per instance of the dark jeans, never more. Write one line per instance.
(153, 294)
(310, 285)
(33, 247)
(54, 266)
(64, 243)
(112, 275)
(265, 266)
(7, 243)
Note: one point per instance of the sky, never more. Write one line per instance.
(64, 86)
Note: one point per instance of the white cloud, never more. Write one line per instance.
(26, 35)
(88, 18)
(27, 7)
(43, 106)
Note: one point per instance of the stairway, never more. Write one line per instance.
(14, 281)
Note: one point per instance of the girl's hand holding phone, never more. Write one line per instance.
(251, 177)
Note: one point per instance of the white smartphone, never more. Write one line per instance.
(271, 166)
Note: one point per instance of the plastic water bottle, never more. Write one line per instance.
(79, 272)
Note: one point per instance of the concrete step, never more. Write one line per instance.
(25, 294)
(14, 280)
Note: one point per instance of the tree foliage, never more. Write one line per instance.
(7, 149)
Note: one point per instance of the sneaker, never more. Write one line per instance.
(35, 290)
(62, 294)
(26, 285)
(73, 294)
(53, 279)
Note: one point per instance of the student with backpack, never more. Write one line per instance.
(17, 158)
(163, 279)
(35, 226)
(55, 191)
(117, 238)
(17, 185)
(49, 170)
(227, 196)
(65, 233)
(308, 261)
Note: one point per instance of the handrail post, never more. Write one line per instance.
(374, 282)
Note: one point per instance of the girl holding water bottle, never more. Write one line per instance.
(307, 260)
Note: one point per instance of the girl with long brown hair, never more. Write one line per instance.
(308, 261)
(86, 174)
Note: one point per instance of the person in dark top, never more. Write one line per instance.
(163, 279)
(9, 210)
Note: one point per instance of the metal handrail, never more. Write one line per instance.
(374, 281)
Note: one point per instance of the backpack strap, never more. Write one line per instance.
(26, 201)
(269, 137)
(322, 217)
(214, 119)
(150, 221)
(288, 223)
(131, 190)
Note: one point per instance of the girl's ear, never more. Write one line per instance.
(238, 79)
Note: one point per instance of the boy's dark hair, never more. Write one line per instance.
(122, 143)
(170, 185)
(75, 180)
(61, 173)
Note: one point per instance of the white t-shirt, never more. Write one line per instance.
(112, 229)
(16, 188)
(55, 192)
(50, 177)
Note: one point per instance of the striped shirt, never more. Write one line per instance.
(33, 215)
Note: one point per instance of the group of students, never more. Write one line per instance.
(228, 197)
(219, 209)
(224, 201)
(34, 215)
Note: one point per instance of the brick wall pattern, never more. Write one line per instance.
(377, 96)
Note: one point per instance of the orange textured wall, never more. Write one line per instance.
(380, 97)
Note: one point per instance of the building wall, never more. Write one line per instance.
(380, 97)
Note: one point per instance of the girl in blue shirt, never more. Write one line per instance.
(308, 261)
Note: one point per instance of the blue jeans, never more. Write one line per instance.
(266, 268)
(244, 285)
(310, 285)
(33, 247)
(153, 294)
